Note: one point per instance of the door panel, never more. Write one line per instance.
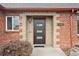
(39, 31)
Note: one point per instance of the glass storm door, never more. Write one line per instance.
(39, 31)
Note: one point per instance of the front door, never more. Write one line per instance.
(39, 32)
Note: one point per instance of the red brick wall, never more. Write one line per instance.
(67, 32)
(5, 36)
(68, 36)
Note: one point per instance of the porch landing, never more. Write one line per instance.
(48, 51)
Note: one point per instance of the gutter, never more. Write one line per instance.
(2, 8)
(41, 9)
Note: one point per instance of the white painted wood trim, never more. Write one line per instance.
(12, 25)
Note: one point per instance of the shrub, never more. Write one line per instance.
(16, 48)
(66, 51)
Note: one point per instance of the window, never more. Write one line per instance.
(12, 23)
(39, 31)
(39, 24)
(39, 37)
(77, 24)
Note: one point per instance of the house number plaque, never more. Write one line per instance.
(60, 24)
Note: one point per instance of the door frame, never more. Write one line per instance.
(23, 20)
(44, 18)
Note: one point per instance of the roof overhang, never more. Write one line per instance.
(2, 8)
(41, 9)
(37, 9)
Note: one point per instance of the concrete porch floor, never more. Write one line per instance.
(47, 51)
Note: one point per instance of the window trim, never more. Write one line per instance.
(77, 26)
(12, 30)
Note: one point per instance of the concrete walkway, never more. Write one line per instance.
(48, 51)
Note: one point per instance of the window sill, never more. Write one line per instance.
(12, 30)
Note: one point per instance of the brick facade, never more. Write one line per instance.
(68, 32)
(68, 36)
(5, 36)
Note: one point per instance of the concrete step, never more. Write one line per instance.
(47, 51)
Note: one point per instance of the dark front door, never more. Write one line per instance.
(39, 31)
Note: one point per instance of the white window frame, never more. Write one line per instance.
(12, 30)
(77, 26)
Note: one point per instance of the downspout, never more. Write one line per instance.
(70, 30)
(70, 23)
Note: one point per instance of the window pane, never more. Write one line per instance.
(9, 23)
(39, 31)
(77, 17)
(15, 22)
(39, 37)
(77, 24)
(39, 24)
